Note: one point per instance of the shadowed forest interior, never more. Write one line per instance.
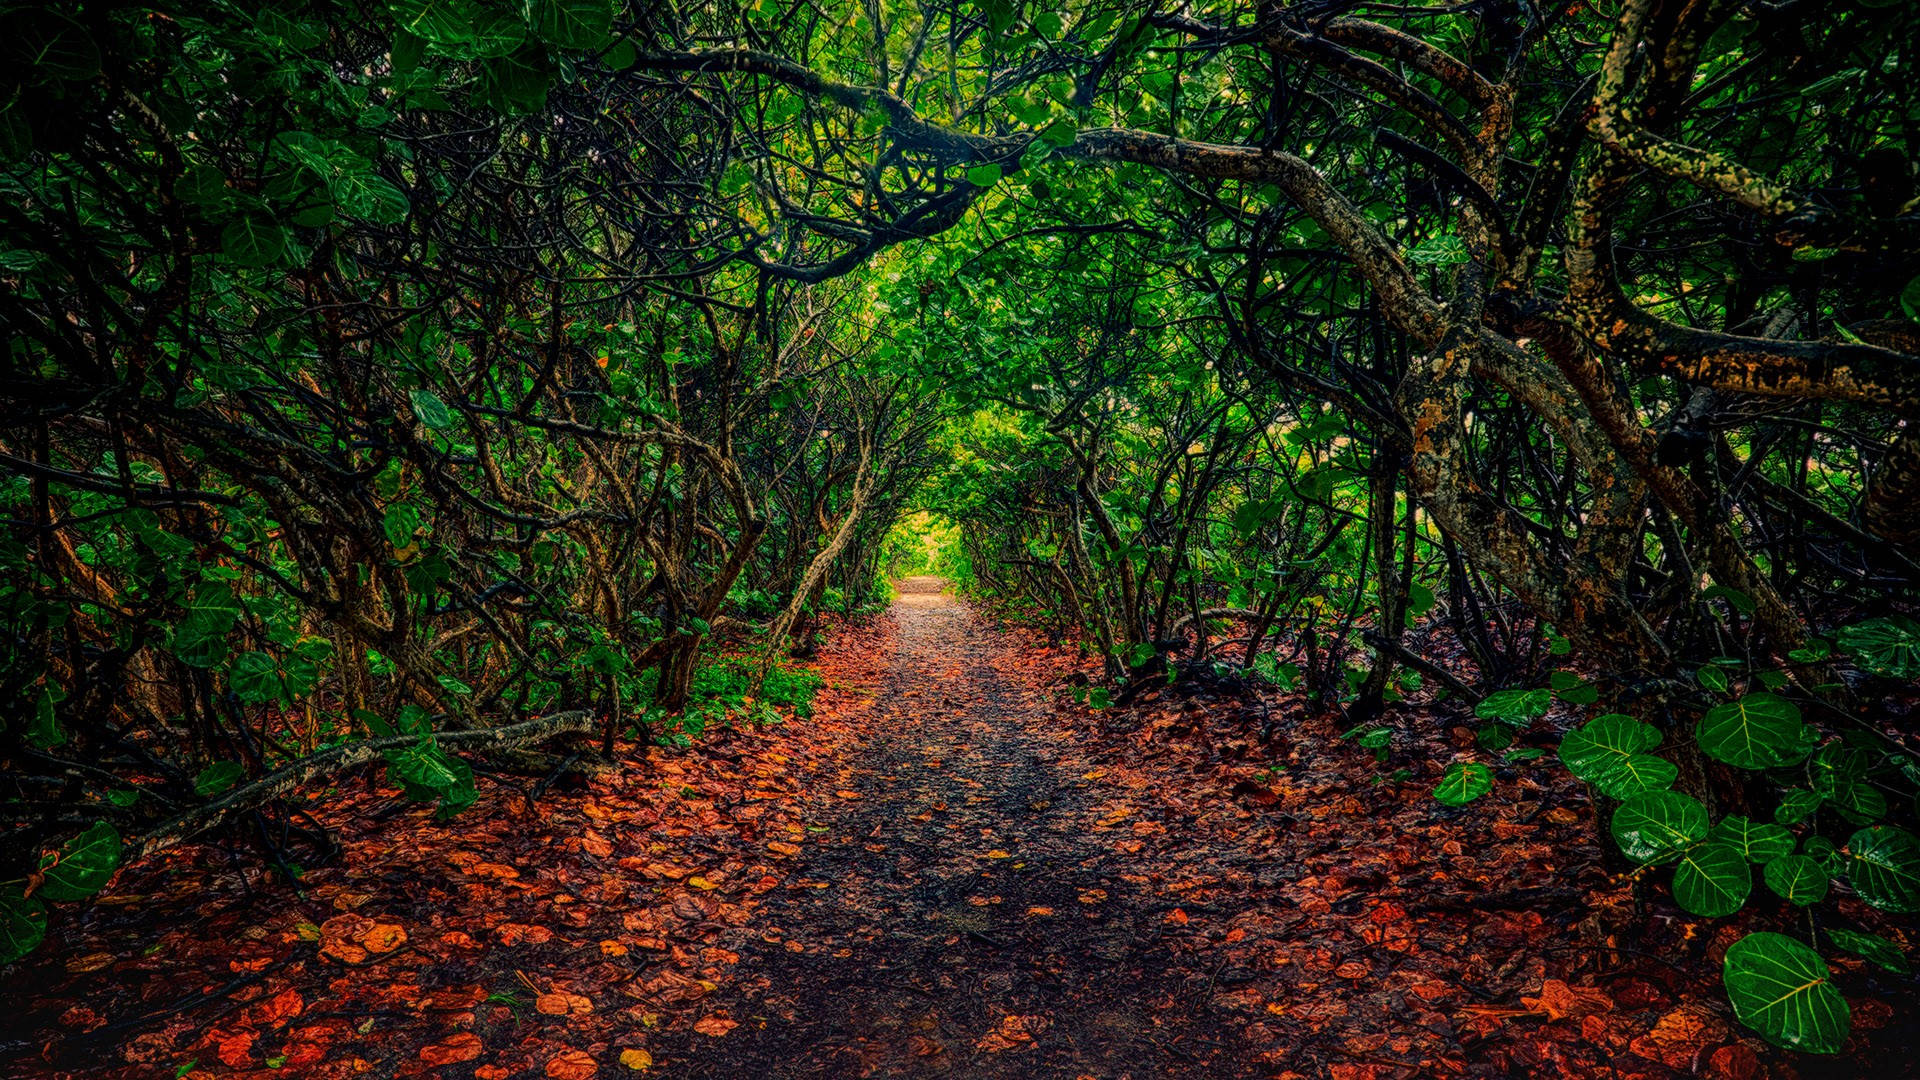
(791, 538)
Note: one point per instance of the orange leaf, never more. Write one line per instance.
(458, 1047)
(715, 1026)
(562, 1004)
(571, 1065)
(637, 1060)
(1558, 1000)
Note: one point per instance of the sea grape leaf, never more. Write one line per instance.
(1608, 752)
(23, 924)
(1516, 707)
(1760, 841)
(217, 778)
(1781, 989)
(1712, 879)
(1659, 825)
(1889, 647)
(1873, 947)
(1884, 866)
(1463, 782)
(1797, 879)
(83, 864)
(572, 24)
(1758, 731)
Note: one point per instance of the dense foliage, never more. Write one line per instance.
(380, 375)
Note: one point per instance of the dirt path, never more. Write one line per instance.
(945, 871)
(971, 918)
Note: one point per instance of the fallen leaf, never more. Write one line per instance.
(1558, 1000)
(463, 1046)
(715, 1026)
(563, 1004)
(571, 1065)
(637, 1060)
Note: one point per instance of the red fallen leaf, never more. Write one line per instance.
(458, 1047)
(1733, 1062)
(491, 1072)
(571, 1065)
(282, 1007)
(1558, 1000)
(299, 1055)
(1680, 1037)
(236, 1050)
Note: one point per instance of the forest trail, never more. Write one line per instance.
(946, 870)
(973, 920)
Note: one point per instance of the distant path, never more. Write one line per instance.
(972, 922)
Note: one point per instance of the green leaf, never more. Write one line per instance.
(1884, 866)
(432, 411)
(1659, 825)
(1712, 879)
(1781, 989)
(255, 677)
(1909, 296)
(1463, 782)
(1516, 707)
(1760, 842)
(1572, 689)
(1797, 879)
(1888, 647)
(1795, 805)
(399, 523)
(443, 22)
(1607, 752)
(83, 865)
(23, 924)
(1873, 947)
(1713, 679)
(1060, 132)
(984, 175)
(572, 24)
(255, 240)
(217, 778)
(1759, 731)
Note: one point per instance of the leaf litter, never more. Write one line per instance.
(949, 870)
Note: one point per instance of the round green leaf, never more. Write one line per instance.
(255, 678)
(1780, 988)
(1463, 782)
(1759, 731)
(83, 865)
(1884, 866)
(1798, 879)
(572, 24)
(1657, 826)
(1795, 805)
(431, 410)
(217, 778)
(444, 22)
(1712, 879)
(1761, 842)
(1876, 949)
(1516, 707)
(254, 240)
(984, 175)
(23, 923)
(1888, 647)
(1607, 753)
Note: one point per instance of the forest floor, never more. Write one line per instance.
(948, 871)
